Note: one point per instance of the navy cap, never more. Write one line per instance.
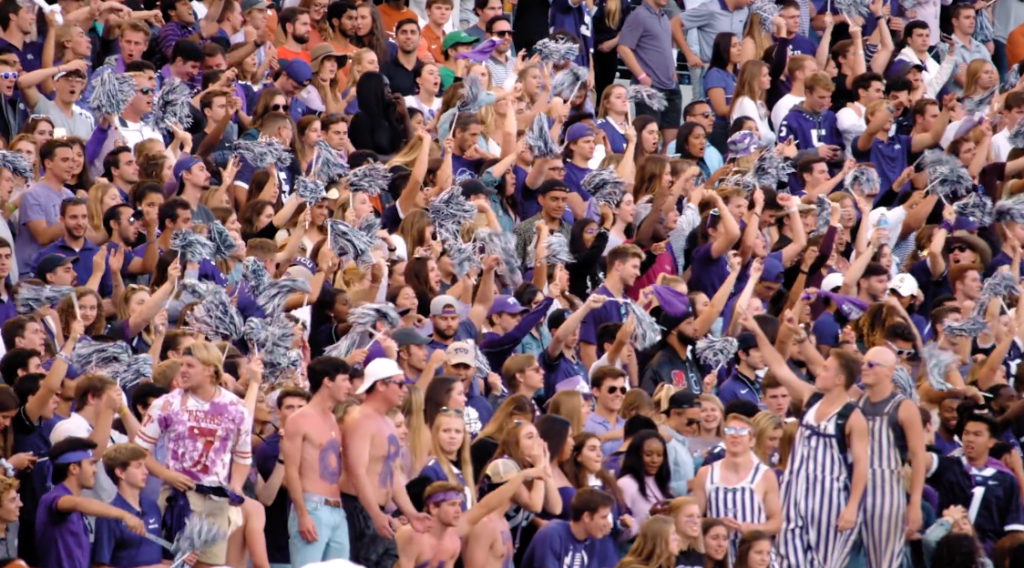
(298, 71)
(505, 304)
(557, 318)
(682, 400)
(552, 185)
(773, 271)
(52, 262)
(408, 336)
(471, 187)
(184, 164)
(577, 131)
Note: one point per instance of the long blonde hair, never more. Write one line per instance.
(357, 60)
(612, 13)
(746, 83)
(569, 405)
(675, 507)
(94, 205)
(407, 155)
(465, 463)
(708, 397)
(412, 408)
(755, 31)
(974, 70)
(651, 548)
(764, 424)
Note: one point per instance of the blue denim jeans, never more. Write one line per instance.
(331, 533)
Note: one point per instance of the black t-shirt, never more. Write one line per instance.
(268, 232)
(690, 559)
(991, 494)
(30, 437)
(842, 95)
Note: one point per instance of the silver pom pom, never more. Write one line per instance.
(904, 383)
(17, 164)
(977, 208)
(558, 250)
(968, 327)
(981, 101)
(450, 211)
(198, 290)
(951, 184)
(352, 243)
(330, 166)
(216, 318)
(557, 51)
(463, 256)
(312, 191)
(199, 533)
(111, 93)
(31, 297)
(1017, 135)
(936, 361)
(367, 316)
(255, 275)
(823, 216)
(648, 96)
(983, 27)
(1009, 210)
(567, 82)
(771, 168)
(274, 294)
(716, 352)
(768, 10)
(605, 186)
(371, 178)
(1012, 78)
(138, 368)
(264, 152)
(863, 181)
(192, 246)
(504, 246)
(1001, 284)
(647, 331)
(223, 246)
(850, 8)
(100, 357)
(538, 140)
(171, 106)
(472, 99)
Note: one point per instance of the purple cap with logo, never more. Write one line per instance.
(505, 304)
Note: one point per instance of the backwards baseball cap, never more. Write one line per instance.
(552, 185)
(408, 336)
(52, 262)
(832, 281)
(298, 71)
(301, 268)
(505, 304)
(253, 5)
(184, 164)
(577, 131)
(501, 470)
(379, 369)
(773, 271)
(460, 353)
(681, 401)
(444, 305)
(574, 384)
(557, 318)
(74, 74)
(471, 187)
(901, 67)
(457, 37)
(905, 285)
(746, 341)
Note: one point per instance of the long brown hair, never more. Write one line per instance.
(569, 405)
(577, 476)
(750, 538)
(746, 83)
(66, 312)
(412, 229)
(515, 405)
(508, 445)
(648, 175)
(8, 402)
(602, 110)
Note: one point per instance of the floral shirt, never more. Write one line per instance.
(202, 437)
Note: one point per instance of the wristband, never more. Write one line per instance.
(641, 76)
(63, 357)
(946, 226)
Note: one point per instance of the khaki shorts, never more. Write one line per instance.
(217, 511)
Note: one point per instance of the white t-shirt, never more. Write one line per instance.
(135, 132)
(604, 362)
(77, 426)
(744, 106)
(1001, 145)
(782, 108)
(851, 124)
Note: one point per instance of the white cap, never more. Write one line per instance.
(905, 285)
(379, 369)
(831, 282)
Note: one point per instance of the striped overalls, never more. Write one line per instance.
(885, 499)
(815, 489)
(739, 502)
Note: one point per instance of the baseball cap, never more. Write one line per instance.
(378, 370)
(298, 71)
(577, 131)
(72, 73)
(900, 68)
(408, 336)
(301, 268)
(444, 305)
(743, 143)
(321, 52)
(552, 185)
(456, 38)
(505, 304)
(905, 285)
(574, 384)
(52, 262)
(746, 341)
(253, 5)
(773, 271)
(184, 164)
(471, 187)
(964, 224)
(501, 470)
(832, 281)
(460, 353)
(682, 400)
(557, 318)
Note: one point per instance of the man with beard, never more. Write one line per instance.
(74, 220)
(946, 439)
(444, 312)
(295, 24)
(873, 283)
(69, 82)
(341, 16)
(122, 225)
(404, 67)
(672, 362)
(501, 64)
(120, 167)
(181, 24)
(41, 204)
(193, 179)
(623, 264)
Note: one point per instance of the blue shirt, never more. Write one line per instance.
(740, 387)
(616, 139)
(558, 369)
(801, 45)
(597, 425)
(707, 273)
(62, 539)
(82, 263)
(575, 19)
(889, 159)
(609, 312)
(30, 55)
(463, 168)
(718, 78)
(554, 546)
(114, 545)
(434, 472)
(647, 33)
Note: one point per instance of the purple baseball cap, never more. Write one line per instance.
(505, 304)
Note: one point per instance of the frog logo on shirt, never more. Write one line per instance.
(575, 559)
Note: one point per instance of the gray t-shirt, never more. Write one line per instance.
(202, 215)
(646, 32)
(40, 203)
(81, 123)
(9, 542)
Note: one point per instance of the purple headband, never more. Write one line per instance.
(441, 497)
(74, 457)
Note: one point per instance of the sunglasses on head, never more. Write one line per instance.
(621, 390)
(9, 75)
(736, 430)
(280, 108)
(455, 411)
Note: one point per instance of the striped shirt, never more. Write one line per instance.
(171, 33)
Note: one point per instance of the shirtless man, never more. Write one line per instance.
(371, 477)
(317, 529)
(440, 546)
(489, 542)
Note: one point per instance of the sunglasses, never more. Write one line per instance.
(9, 75)
(692, 421)
(904, 353)
(705, 114)
(455, 411)
(503, 33)
(874, 364)
(958, 248)
(280, 108)
(736, 430)
(400, 383)
(621, 390)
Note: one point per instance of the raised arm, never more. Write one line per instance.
(798, 389)
(572, 323)
(51, 384)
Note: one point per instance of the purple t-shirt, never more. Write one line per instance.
(801, 45)
(62, 539)
(707, 273)
(576, 20)
(554, 545)
(609, 312)
(434, 472)
(40, 203)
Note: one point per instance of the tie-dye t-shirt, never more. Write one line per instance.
(202, 437)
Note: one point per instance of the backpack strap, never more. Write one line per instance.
(841, 419)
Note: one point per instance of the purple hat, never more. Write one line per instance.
(298, 71)
(964, 224)
(506, 304)
(673, 302)
(901, 67)
(574, 383)
(743, 143)
(184, 164)
(577, 131)
(773, 271)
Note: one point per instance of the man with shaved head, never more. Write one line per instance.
(895, 430)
